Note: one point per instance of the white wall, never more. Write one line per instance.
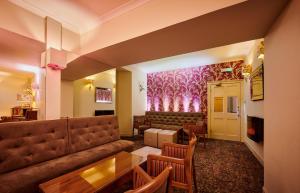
(282, 103)
(67, 90)
(139, 98)
(84, 97)
(10, 86)
(253, 108)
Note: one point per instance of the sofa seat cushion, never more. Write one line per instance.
(172, 127)
(166, 127)
(26, 180)
(157, 126)
(144, 127)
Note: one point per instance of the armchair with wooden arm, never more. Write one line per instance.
(141, 123)
(199, 129)
(143, 183)
(180, 157)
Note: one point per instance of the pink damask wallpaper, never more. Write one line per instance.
(185, 90)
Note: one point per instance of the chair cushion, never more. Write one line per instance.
(26, 180)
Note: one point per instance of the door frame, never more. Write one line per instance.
(242, 105)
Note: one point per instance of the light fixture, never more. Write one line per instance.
(261, 51)
(90, 83)
(246, 70)
(141, 86)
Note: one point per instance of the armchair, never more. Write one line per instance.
(180, 157)
(141, 123)
(199, 129)
(143, 183)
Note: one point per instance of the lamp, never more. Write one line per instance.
(90, 83)
(141, 86)
(246, 70)
(261, 51)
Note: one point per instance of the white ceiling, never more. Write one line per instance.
(79, 15)
(210, 56)
(9, 74)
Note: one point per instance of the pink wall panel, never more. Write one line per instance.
(185, 90)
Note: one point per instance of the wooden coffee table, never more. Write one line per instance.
(101, 176)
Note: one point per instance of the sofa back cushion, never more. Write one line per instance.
(173, 118)
(29, 142)
(89, 132)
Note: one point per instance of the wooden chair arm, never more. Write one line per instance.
(174, 150)
(159, 184)
(140, 177)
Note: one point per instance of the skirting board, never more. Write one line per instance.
(254, 153)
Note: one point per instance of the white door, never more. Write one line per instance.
(225, 119)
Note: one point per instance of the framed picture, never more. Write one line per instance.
(103, 95)
(257, 84)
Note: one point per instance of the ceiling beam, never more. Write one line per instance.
(245, 21)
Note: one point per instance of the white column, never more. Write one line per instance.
(53, 61)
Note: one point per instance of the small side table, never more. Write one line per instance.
(166, 136)
(150, 137)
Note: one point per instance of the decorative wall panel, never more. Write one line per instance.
(185, 90)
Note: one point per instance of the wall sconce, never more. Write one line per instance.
(141, 87)
(261, 51)
(90, 83)
(246, 70)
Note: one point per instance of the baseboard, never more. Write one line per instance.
(264, 189)
(258, 157)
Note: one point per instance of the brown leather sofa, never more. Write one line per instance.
(167, 120)
(33, 152)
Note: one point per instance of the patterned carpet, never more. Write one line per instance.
(225, 167)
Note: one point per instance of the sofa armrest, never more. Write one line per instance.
(138, 120)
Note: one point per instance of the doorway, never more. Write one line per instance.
(224, 110)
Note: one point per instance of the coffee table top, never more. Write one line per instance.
(93, 177)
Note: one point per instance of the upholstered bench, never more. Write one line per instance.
(32, 152)
(172, 120)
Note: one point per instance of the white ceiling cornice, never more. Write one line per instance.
(90, 21)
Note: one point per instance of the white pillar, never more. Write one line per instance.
(53, 60)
